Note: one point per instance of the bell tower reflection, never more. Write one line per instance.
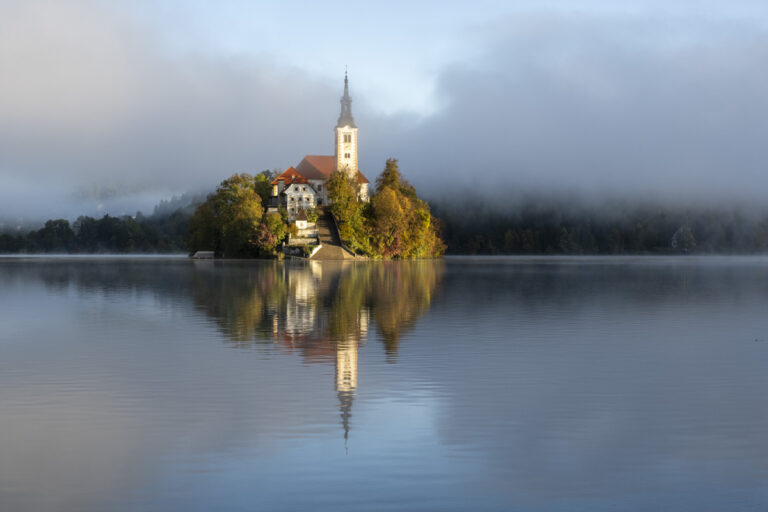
(346, 368)
(346, 380)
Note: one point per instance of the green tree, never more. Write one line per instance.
(54, 236)
(86, 234)
(204, 230)
(262, 182)
(350, 213)
(343, 193)
(228, 220)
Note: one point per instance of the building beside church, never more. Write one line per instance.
(304, 186)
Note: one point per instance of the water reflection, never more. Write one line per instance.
(311, 307)
(597, 384)
(321, 310)
(115, 385)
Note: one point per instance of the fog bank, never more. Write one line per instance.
(98, 114)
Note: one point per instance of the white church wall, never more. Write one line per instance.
(346, 148)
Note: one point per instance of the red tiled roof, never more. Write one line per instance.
(297, 179)
(317, 167)
(287, 176)
(320, 167)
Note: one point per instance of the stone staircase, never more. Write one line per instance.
(329, 237)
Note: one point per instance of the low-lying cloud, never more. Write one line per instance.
(626, 107)
(93, 109)
(96, 114)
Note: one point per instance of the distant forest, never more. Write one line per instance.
(165, 231)
(552, 227)
(523, 227)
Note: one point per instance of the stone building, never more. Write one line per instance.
(304, 186)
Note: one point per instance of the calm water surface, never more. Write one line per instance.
(478, 384)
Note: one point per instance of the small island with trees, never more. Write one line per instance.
(240, 220)
(321, 209)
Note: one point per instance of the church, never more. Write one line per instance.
(304, 187)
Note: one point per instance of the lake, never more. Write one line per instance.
(468, 384)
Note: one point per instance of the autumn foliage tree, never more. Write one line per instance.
(270, 233)
(232, 222)
(352, 214)
(396, 223)
(402, 223)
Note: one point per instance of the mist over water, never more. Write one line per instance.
(490, 384)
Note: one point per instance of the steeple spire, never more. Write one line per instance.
(346, 141)
(346, 119)
(345, 406)
(346, 380)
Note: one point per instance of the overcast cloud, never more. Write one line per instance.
(630, 107)
(97, 114)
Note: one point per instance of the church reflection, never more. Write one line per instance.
(346, 380)
(322, 311)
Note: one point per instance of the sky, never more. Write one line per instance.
(108, 107)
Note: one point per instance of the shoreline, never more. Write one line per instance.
(485, 258)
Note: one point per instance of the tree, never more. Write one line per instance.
(395, 224)
(390, 212)
(204, 230)
(55, 236)
(402, 226)
(344, 196)
(391, 177)
(263, 185)
(683, 239)
(350, 213)
(11, 243)
(228, 220)
(270, 233)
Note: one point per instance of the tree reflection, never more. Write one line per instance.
(314, 306)
(321, 310)
(238, 299)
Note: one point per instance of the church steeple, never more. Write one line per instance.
(346, 136)
(346, 119)
(346, 379)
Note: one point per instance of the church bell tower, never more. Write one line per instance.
(346, 135)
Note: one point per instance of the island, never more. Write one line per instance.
(321, 209)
